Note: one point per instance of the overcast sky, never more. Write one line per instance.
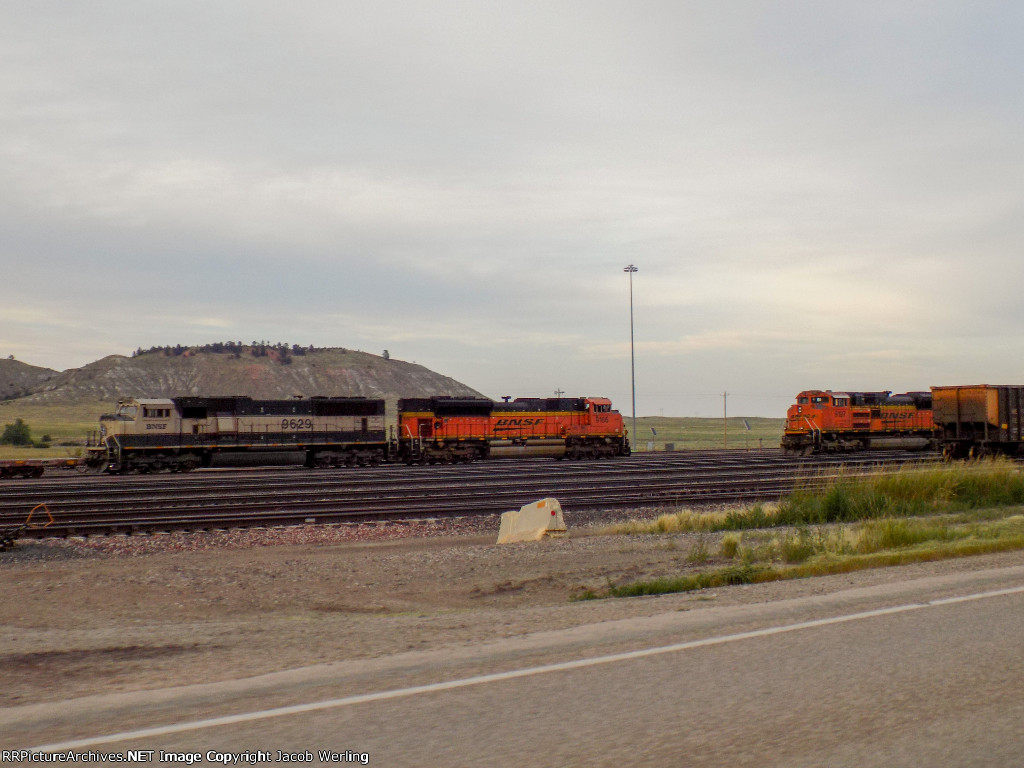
(816, 194)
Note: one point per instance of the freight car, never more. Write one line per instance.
(444, 429)
(826, 421)
(183, 433)
(979, 420)
(35, 467)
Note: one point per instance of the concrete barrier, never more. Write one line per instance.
(532, 522)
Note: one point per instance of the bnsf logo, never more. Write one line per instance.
(156, 426)
(518, 422)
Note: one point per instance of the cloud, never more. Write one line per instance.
(813, 193)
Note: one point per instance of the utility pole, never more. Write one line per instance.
(725, 416)
(632, 357)
(559, 392)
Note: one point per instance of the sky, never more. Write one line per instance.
(815, 194)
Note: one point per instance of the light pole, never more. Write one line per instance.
(632, 357)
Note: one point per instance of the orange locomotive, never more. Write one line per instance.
(445, 429)
(827, 421)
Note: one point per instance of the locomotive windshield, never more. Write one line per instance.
(129, 411)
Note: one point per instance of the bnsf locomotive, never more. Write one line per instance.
(183, 433)
(449, 429)
(827, 421)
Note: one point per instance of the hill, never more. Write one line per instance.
(18, 378)
(260, 372)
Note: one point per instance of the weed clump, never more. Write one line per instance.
(906, 493)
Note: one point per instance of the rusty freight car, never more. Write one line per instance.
(979, 420)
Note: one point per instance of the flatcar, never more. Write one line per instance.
(823, 421)
(182, 433)
(35, 467)
(979, 420)
(445, 429)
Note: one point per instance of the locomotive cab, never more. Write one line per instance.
(135, 436)
(134, 417)
(601, 415)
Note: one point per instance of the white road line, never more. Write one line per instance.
(298, 709)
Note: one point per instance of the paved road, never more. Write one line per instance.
(890, 676)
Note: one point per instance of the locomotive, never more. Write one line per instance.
(183, 433)
(826, 421)
(465, 429)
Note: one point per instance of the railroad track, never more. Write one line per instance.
(214, 499)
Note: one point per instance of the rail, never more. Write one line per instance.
(102, 505)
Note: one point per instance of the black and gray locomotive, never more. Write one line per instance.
(183, 433)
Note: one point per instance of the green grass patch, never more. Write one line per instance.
(848, 524)
(908, 492)
(839, 549)
(693, 434)
(63, 423)
(905, 493)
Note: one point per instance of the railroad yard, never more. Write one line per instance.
(89, 615)
(102, 505)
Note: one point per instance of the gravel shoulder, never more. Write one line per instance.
(84, 617)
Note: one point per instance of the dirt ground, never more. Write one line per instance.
(88, 617)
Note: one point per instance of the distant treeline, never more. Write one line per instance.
(281, 352)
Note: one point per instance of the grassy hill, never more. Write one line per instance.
(268, 374)
(18, 379)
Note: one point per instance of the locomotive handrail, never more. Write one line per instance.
(815, 431)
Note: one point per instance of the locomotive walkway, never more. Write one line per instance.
(215, 499)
